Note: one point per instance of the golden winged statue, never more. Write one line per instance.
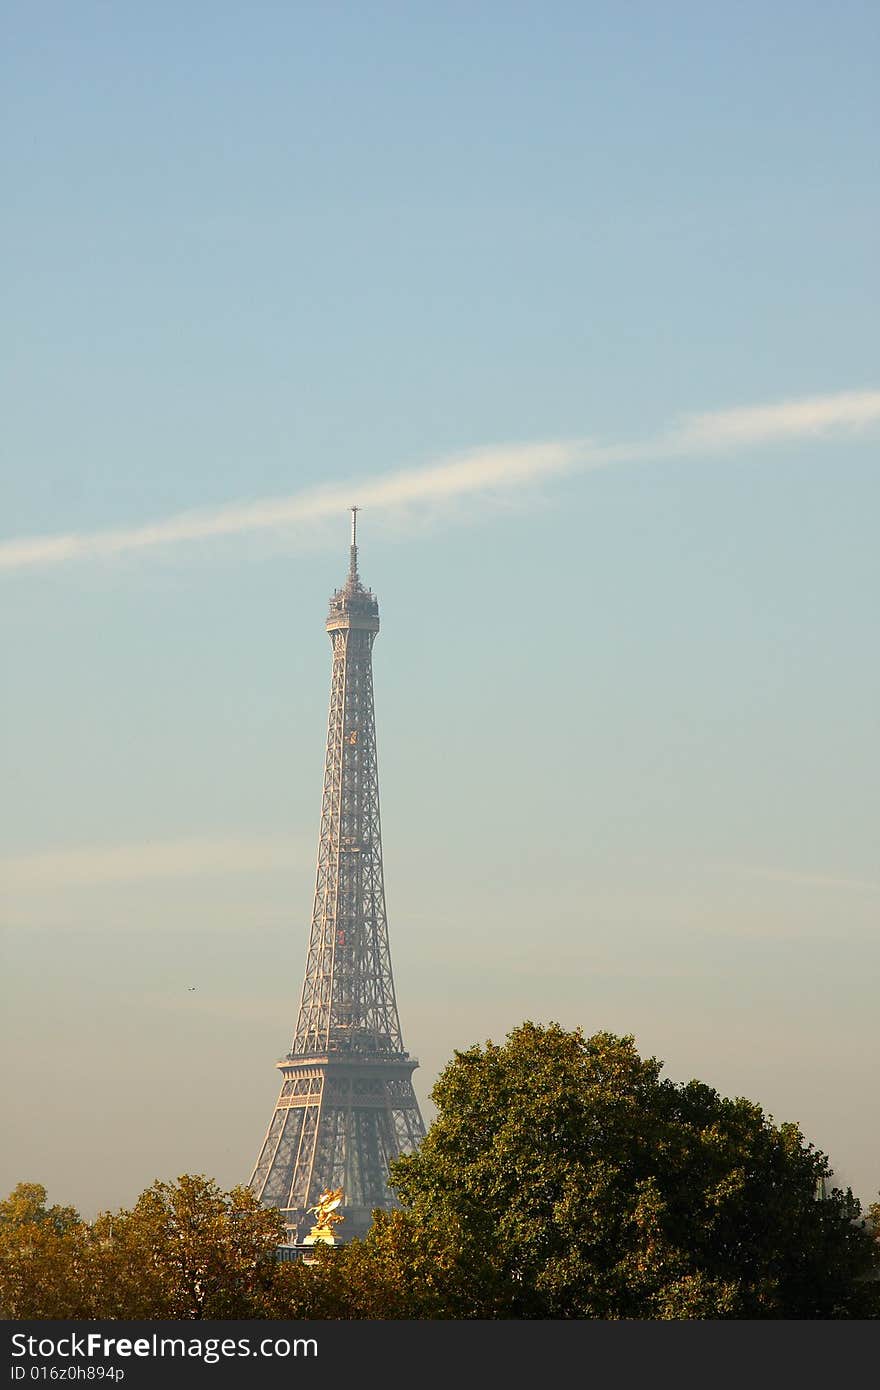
(326, 1217)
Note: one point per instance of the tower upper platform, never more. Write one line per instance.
(353, 606)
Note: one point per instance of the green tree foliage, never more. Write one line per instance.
(404, 1268)
(575, 1182)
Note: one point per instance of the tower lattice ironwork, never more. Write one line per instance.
(347, 1105)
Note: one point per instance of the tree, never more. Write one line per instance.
(404, 1268)
(185, 1250)
(574, 1182)
(42, 1252)
(871, 1306)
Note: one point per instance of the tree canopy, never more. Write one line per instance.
(185, 1250)
(41, 1251)
(563, 1177)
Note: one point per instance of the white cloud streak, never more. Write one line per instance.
(495, 471)
(814, 417)
(799, 879)
(87, 866)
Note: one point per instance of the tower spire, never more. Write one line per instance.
(353, 557)
(347, 1107)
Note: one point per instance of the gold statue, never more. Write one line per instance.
(327, 1216)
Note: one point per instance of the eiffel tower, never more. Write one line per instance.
(347, 1105)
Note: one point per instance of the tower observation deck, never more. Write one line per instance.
(347, 1105)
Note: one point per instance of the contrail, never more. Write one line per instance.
(497, 470)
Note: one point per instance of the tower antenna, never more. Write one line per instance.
(353, 564)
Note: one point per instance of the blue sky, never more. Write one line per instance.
(579, 301)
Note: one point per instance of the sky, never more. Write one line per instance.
(579, 303)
